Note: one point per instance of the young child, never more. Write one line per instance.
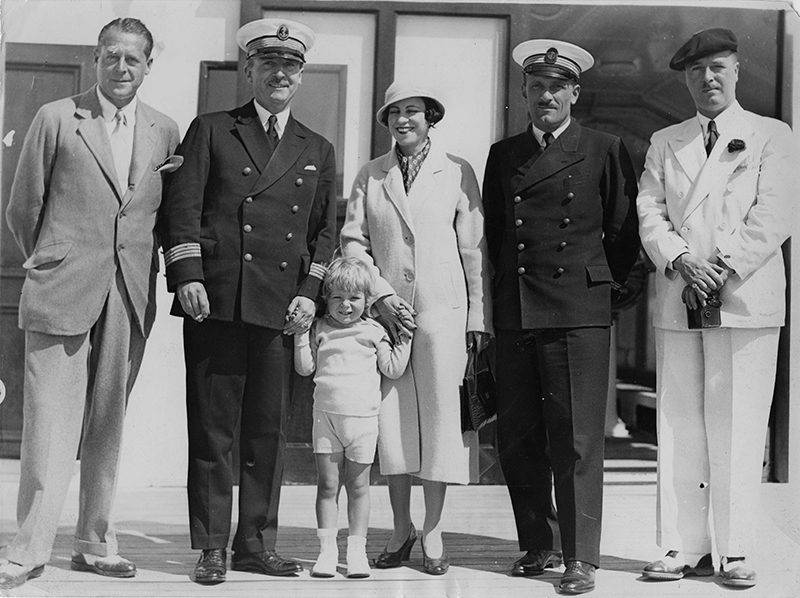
(349, 352)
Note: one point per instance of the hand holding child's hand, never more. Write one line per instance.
(299, 315)
(397, 316)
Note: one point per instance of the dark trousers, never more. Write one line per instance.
(237, 375)
(551, 400)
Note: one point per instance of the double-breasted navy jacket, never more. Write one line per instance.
(255, 231)
(561, 227)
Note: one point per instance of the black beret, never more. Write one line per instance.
(703, 43)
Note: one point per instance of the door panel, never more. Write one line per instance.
(34, 75)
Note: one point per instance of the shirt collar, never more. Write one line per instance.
(109, 110)
(721, 120)
(264, 114)
(539, 134)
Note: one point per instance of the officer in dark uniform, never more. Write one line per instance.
(247, 225)
(561, 227)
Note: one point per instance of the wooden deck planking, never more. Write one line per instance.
(481, 543)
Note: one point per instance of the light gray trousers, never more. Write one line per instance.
(73, 382)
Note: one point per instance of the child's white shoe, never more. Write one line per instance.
(328, 554)
(357, 563)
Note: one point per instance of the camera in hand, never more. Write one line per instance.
(705, 316)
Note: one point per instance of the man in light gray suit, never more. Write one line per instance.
(715, 204)
(83, 210)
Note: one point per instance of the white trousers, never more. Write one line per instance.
(714, 392)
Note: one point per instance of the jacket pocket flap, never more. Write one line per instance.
(52, 252)
(599, 273)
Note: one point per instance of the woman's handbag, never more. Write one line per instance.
(478, 405)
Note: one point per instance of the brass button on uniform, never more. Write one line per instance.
(517, 199)
(247, 228)
(289, 236)
(559, 270)
(409, 276)
(562, 244)
(520, 270)
(248, 200)
(246, 170)
(248, 257)
(566, 221)
(295, 209)
(520, 246)
(283, 266)
(298, 182)
(570, 195)
(518, 222)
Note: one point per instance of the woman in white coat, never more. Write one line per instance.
(415, 216)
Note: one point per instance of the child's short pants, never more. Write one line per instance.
(356, 437)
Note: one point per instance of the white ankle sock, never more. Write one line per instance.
(357, 563)
(328, 553)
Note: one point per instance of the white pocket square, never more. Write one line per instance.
(171, 164)
(310, 167)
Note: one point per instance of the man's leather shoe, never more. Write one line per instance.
(534, 562)
(211, 567)
(671, 568)
(116, 567)
(735, 572)
(266, 563)
(578, 578)
(13, 575)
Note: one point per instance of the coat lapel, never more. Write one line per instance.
(719, 165)
(562, 153)
(91, 128)
(293, 142)
(252, 135)
(393, 187)
(144, 143)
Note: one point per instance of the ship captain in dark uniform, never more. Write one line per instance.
(248, 224)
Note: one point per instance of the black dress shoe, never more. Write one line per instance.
(266, 563)
(534, 562)
(434, 566)
(578, 578)
(121, 568)
(668, 570)
(8, 581)
(211, 568)
(389, 560)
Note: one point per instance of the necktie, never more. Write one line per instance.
(121, 147)
(548, 140)
(712, 136)
(272, 133)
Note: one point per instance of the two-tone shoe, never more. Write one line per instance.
(672, 567)
(114, 566)
(13, 575)
(734, 572)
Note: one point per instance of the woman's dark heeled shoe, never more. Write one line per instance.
(389, 560)
(434, 566)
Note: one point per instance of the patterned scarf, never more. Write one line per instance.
(410, 165)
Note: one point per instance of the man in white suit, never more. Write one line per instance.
(83, 210)
(714, 208)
